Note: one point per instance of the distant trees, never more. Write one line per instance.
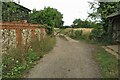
(66, 26)
(49, 16)
(78, 23)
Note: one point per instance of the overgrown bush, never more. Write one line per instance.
(14, 62)
(17, 60)
(78, 34)
(47, 44)
(99, 35)
(43, 45)
(96, 34)
(49, 30)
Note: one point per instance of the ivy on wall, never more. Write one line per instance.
(12, 11)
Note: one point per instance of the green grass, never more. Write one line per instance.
(108, 64)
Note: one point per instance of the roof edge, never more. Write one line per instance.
(114, 14)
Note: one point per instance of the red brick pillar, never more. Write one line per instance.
(42, 33)
(33, 33)
(19, 37)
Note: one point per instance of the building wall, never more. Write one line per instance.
(116, 29)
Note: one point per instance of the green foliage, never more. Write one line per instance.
(102, 11)
(45, 47)
(63, 27)
(50, 16)
(17, 61)
(96, 34)
(77, 35)
(32, 56)
(78, 23)
(49, 30)
(100, 36)
(105, 10)
(108, 64)
(13, 62)
(35, 43)
(13, 12)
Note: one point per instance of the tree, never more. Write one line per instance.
(102, 11)
(93, 14)
(78, 23)
(49, 16)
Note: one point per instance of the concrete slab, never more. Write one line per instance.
(113, 49)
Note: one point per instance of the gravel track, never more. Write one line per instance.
(68, 59)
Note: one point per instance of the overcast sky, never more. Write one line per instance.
(71, 9)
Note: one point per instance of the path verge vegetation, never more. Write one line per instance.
(108, 64)
(17, 62)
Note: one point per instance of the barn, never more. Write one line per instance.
(12, 11)
(114, 21)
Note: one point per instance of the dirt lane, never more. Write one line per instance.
(69, 59)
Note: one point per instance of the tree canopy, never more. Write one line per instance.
(78, 23)
(49, 16)
(103, 10)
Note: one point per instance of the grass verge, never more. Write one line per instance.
(108, 64)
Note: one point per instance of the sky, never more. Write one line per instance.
(71, 9)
